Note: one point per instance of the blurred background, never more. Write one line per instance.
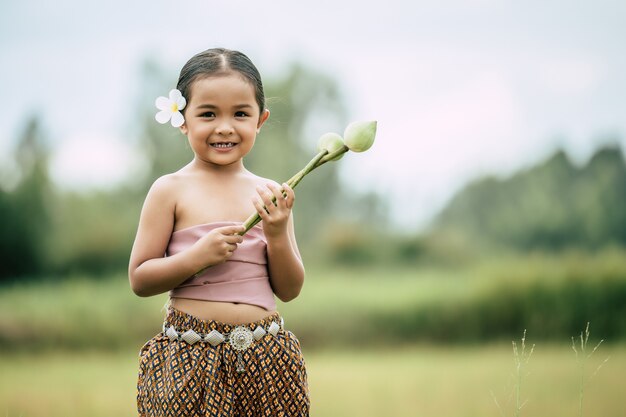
(492, 202)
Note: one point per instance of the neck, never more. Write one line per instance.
(217, 169)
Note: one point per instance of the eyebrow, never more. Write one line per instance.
(212, 106)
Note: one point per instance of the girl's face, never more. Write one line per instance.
(222, 119)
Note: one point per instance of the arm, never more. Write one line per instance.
(284, 262)
(149, 271)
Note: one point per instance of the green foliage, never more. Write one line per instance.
(24, 210)
(553, 206)
(76, 313)
(357, 243)
(350, 245)
(551, 296)
(94, 232)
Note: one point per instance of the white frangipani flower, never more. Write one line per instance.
(170, 108)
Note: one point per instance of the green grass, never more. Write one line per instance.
(86, 313)
(76, 313)
(69, 348)
(398, 382)
(495, 300)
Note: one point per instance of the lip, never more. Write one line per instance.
(223, 148)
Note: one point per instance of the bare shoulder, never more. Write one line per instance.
(165, 187)
(258, 180)
(168, 181)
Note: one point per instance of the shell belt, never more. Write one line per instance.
(240, 338)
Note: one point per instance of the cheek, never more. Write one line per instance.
(199, 129)
(249, 129)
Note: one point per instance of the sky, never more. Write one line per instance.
(460, 88)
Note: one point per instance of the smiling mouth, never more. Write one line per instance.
(223, 145)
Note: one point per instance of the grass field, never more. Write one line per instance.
(552, 297)
(406, 381)
(68, 348)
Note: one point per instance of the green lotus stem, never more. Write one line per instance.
(326, 158)
(292, 182)
(358, 137)
(314, 163)
(332, 156)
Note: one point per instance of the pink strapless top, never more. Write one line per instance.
(243, 278)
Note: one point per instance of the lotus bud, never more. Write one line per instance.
(359, 136)
(331, 142)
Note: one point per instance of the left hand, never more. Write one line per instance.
(275, 214)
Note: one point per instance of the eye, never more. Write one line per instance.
(208, 114)
(241, 114)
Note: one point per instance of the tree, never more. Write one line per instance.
(24, 210)
(553, 205)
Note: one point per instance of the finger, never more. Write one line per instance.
(233, 239)
(266, 196)
(230, 230)
(278, 194)
(260, 208)
(227, 248)
(290, 197)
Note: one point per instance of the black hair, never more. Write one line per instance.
(220, 61)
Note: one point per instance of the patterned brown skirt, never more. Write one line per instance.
(177, 378)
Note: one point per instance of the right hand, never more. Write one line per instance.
(219, 244)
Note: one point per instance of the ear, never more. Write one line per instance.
(262, 118)
(183, 128)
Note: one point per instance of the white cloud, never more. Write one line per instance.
(570, 76)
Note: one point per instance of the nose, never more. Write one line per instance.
(224, 128)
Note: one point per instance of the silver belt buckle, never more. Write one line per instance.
(240, 339)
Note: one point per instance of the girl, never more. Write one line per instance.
(223, 350)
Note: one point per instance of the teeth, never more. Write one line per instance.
(223, 145)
